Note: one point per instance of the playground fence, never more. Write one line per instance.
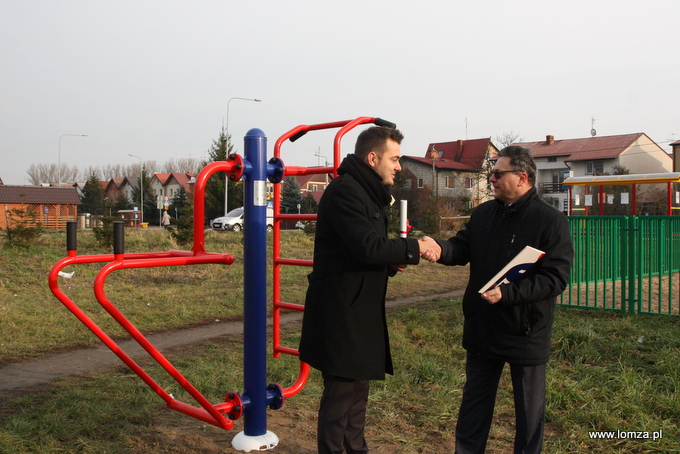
(625, 263)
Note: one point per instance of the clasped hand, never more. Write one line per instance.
(430, 249)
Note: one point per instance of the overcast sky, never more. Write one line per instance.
(153, 78)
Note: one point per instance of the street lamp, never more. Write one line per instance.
(59, 162)
(226, 180)
(141, 188)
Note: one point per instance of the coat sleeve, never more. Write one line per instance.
(456, 250)
(360, 226)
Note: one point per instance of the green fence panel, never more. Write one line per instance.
(625, 263)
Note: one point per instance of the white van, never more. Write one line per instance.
(234, 220)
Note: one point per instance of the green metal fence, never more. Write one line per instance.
(625, 263)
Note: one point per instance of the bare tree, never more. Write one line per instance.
(92, 171)
(48, 173)
(508, 138)
(186, 165)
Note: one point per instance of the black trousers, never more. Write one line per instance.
(479, 398)
(342, 416)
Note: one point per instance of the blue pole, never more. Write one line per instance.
(255, 284)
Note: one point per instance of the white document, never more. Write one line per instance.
(515, 268)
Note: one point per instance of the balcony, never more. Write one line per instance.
(551, 188)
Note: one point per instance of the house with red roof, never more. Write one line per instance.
(313, 184)
(113, 188)
(557, 160)
(158, 182)
(452, 170)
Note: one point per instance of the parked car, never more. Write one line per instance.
(234, 220)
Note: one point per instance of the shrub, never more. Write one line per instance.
(23, 228)
(104, 234)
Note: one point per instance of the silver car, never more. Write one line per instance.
(234, 221)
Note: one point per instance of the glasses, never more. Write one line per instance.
(497, 174)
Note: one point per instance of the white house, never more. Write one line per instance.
(559, 159)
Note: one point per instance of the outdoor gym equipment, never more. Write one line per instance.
(257, 395)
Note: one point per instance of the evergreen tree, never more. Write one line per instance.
(180, 200)
(290, 195)
(309, 205)
(214, 191)
(122, 203)
(183, 234)
(93, 199)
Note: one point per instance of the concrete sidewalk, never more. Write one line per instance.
(38, 371)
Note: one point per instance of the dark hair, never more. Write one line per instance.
(375, 139)
(520, 159)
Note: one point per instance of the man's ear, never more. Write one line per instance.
(523, 178)
(372, 158)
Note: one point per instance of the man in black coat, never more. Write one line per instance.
(344, 329)
(511, 323)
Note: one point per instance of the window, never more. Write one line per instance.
(421, 183)
(315, 188)
(594, 168)
(450, 182)
(552, 159)
(469, 182)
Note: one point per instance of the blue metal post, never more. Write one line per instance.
(255, 284)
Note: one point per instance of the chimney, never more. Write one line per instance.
(459, 152)
(549, 140)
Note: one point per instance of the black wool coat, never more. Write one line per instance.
(518, 329)
(344, 329)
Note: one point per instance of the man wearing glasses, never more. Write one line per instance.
(511, 323)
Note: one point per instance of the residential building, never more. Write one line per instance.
(158, 182)
(560, 159)
(676, 156)
(452, 170)
(169, 184)
(113, 188)
(313, 184)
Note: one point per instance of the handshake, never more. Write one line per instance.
(430, 249)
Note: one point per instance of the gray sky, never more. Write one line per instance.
(153, 78)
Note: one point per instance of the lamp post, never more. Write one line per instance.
(59, 161)
(141, 188)
(226, 180)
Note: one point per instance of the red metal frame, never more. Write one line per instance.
(234, 166)
(278, 261)
(209, 413)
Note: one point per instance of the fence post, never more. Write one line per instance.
(633, 252)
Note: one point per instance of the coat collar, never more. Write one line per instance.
(367, 178)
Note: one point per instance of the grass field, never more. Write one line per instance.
(612, 373)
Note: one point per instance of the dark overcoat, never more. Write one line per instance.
(517, 329)
(344, 330)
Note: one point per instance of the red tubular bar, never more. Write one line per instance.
(234, 166)
(123, 263)
(299, 383)
(209, 413)
(345, 126)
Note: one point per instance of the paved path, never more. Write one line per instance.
(42, 370)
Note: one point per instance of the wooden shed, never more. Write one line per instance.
(53, 206)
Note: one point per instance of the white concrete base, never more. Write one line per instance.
(247, 443)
